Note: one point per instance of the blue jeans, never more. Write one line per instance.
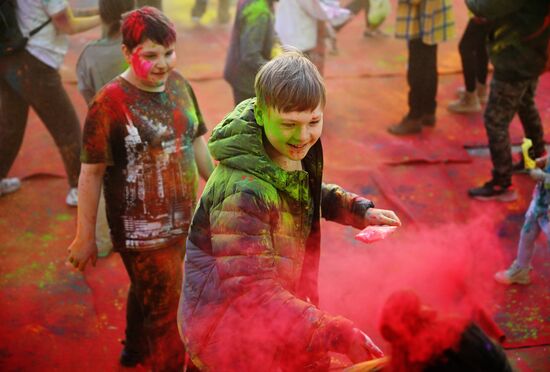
(533, 225)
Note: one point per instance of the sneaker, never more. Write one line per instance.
(515, 274)
(493, 191)
(9, 185)
(406, 126)
(481, 90)
(467, 104)
(72, 197)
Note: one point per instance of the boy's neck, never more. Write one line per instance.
(282, 161)
(131, 78)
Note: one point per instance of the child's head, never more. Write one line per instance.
(290, 82)
(148, 44)
(147, 23)
(111, 12)
(290, 95)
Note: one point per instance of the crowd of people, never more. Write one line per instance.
(247, 296)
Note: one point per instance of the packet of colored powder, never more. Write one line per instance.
(371, 234)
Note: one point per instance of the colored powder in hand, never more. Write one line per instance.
(374, 233)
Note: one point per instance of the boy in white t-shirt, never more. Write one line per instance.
(30, 77)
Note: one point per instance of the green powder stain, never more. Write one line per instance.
(47, 238)
(255, 10)
(63, 217)
(19, 273)
(48, 277)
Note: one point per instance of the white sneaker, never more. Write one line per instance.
(514, 275)
(72, 197)
(9, 185)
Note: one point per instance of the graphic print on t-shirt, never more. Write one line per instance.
(151, 187)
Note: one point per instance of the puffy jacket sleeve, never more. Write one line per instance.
(259, 309)
(343, 207)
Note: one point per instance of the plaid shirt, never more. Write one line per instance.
(430, 20)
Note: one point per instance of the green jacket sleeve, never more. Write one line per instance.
(343, 207)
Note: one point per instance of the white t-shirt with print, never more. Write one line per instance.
(47, 45)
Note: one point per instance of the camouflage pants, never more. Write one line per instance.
(505, 100)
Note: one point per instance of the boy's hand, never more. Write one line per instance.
(363, 348)
(80, 252)
(375, 216)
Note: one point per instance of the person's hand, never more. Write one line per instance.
(537, 174)
(362, 348)
(541, 162)
(81, 251)
(375, 216)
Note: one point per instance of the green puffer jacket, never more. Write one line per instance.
(250, 288)
(515, 56)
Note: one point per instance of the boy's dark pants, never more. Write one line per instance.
(422, 78)
(151, 325)
(26, 81)
(474, 55)
(505, 99)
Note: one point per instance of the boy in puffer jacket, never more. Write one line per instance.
(249, 300)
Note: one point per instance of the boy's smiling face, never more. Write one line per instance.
(291, 134)
(151, 63)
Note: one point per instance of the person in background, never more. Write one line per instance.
(475, 65)
(30, 78)
(423, 24)
(536, 220)
(100, 62)
(251, 46)
(143, 141)
(300, 24)
(518, 50)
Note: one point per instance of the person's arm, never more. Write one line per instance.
(203, 158)
(252, 39)
(313, 9)
(83, 248)
(86, 12)
(66, 22)
(350, 209)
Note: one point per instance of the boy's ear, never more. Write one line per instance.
(259, 115)
(127, 53)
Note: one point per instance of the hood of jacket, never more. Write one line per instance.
(238, 142)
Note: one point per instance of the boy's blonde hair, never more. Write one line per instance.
(290, 82)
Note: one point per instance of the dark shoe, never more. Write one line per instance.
(428, 120)
(493, 191)
(130, 358)
(406, 126)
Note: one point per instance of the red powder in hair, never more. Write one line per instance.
(416, 334)
(135, 23)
